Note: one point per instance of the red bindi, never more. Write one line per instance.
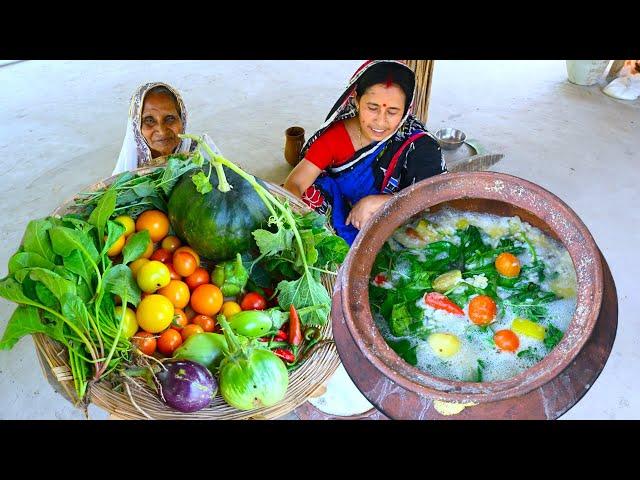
(384, 104)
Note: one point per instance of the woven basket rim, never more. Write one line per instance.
(138, 402)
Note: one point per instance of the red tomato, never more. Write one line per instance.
(171, 243)
(180, 320)
(199, 277)
(169, 341)
(208, 324)
(184, 263)
(508, 265)
(253, 301)
(172, 272)
(162, 255)
(190, 312)
(482, 310)
(145, 342)
(189, 330)
(506, 340)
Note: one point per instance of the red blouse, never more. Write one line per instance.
(332, 148)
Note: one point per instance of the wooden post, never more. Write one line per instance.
(424, 73)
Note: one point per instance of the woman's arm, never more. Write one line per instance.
(301, 177)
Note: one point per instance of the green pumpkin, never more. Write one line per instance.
(217, 225)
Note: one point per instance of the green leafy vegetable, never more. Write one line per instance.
(552, 336)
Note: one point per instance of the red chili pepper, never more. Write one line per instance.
(286, 355)
(441, 302)
(295, 331)
(281, 336)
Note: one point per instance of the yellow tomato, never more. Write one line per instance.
(229, 309)
(130, 325)
(117, 246)
(152, 276)
(128, 224)
(154, 313)
(136, 265)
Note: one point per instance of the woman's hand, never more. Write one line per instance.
(364, 209)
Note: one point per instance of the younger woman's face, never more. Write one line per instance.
(380, 110)
(161, 124)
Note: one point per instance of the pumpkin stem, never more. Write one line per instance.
(223, 184)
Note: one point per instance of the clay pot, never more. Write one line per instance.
(293, 143)
(486, 192)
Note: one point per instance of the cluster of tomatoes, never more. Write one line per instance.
(178, 298)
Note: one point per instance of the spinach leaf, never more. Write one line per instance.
(384, 260)
(480, 370)
(144, 189)
(22, 260)
(102, 212)
(25, 321)
(552, 337)
(36, 239)
(404, 349)
(136, 246)
(57, 284)
(440, 256)
(75, 263)
(74, 310)
(119, 281)
(114, 231)
(46, 297)
(400, 320)
(64, 240)
(529, 301)
(529, 355)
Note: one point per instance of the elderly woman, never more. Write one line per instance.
(369, 147)
(157, 115)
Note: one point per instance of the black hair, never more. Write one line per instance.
(387, 73)
(162, 90)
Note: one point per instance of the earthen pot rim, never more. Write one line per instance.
(493, 186)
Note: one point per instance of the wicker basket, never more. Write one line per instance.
(138, 401)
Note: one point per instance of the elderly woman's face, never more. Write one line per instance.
(161, 124)
(380, 110)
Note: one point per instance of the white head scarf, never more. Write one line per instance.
(135, 152)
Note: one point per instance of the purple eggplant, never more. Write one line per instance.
(186, 386)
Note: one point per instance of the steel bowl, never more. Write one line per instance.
(450, 138)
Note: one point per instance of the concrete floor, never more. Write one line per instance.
(62, 124)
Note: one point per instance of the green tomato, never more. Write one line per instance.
(251, 323)
(444, 345)
(257, 379)
(130, 325)
(204, 348)
(152, 276)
